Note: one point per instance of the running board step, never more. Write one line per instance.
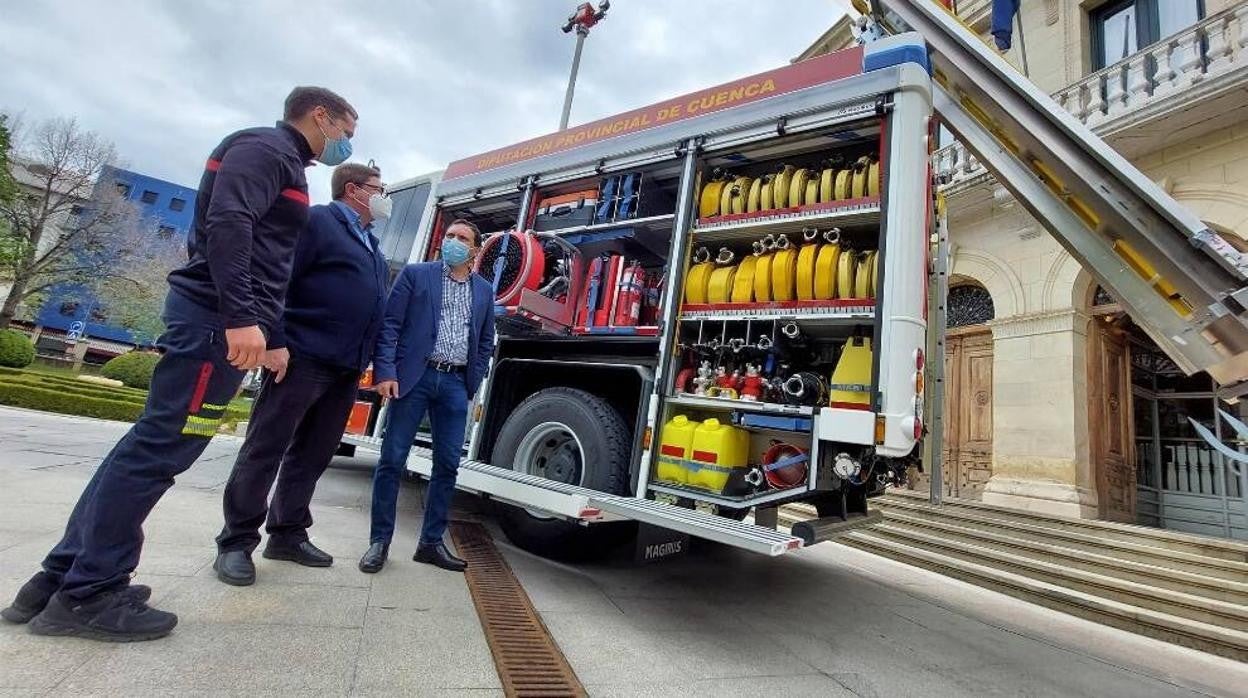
(699, 523)
(579, 503)
(818, 530)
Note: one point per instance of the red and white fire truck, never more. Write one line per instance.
(733, 299)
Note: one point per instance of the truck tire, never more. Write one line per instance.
(570, 436)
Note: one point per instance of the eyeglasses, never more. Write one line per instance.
(378, 188)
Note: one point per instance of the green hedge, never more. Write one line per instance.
(16, 349)
(65, 403)
(39, 391)
(77, 388)
(47, 400)
(134, 369)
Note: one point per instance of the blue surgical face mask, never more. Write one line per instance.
(336, 151)
(454, 251)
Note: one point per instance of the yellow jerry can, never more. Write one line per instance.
(717, 449)
(675, 447)
(851, 379)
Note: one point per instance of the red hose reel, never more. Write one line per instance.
(514, 261)
(785, 465)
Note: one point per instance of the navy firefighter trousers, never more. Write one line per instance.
(191, 387)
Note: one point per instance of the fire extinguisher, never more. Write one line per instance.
(631, 291)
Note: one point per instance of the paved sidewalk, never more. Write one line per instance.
(828, 621)
(299, 631)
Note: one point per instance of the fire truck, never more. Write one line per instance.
(733, 299)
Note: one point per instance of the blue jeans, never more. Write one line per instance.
(445, 397)
(191, 387)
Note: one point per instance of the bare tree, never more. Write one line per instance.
(135, 296)
(61, 227)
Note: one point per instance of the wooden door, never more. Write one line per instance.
(968, 413)
(1110, 428)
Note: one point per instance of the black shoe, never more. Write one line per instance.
(236, 568)
(304, 553)
(437, 554)
(112, 616)
(375, 558)
(34, 594)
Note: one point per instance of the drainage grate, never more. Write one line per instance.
(526, 656)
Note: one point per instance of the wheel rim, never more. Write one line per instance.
(550, 450)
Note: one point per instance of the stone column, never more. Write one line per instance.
(1040, 459)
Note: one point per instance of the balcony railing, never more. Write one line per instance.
(1212, 48)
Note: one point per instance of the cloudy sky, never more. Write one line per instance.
(433, 80)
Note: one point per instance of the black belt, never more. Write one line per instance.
(446, 366)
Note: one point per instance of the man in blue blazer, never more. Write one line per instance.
(333, 313)
(432, 354)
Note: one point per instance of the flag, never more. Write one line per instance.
(1003, 12)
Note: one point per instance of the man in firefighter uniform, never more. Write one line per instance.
(221, 318)
(432, 354)
(333, 311)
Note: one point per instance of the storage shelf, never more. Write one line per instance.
(842, 310)
(737, 502)
(718, 403)
(648, 222)
(862, 211)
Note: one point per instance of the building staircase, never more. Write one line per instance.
(1182, 588)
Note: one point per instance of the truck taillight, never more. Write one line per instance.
(914, 425)
(918, 383)
(919, 360)
(880, 425)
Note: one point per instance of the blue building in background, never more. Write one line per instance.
(73, 313)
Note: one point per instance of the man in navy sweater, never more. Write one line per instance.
(221, 318)
(334, 309)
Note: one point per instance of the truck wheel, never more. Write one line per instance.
(570, 436)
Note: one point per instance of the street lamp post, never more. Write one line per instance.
(582, 20)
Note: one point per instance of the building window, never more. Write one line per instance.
(165, 232)
(176, 204)
(969, 305)
(69, 308)
(123, 189)
(1119, 29)
(149, 197)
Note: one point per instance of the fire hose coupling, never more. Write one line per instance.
(764, 342)
(758, 248)
(833, 236)
(725, 257)
(737, 344)
(782, 242)
(701, 255)
(805, 388)
(810, 234)
(791, 330)
(755, 478)
(769, 243)
(846, 467)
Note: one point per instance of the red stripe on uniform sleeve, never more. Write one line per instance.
(296, 195)
(213, 165)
